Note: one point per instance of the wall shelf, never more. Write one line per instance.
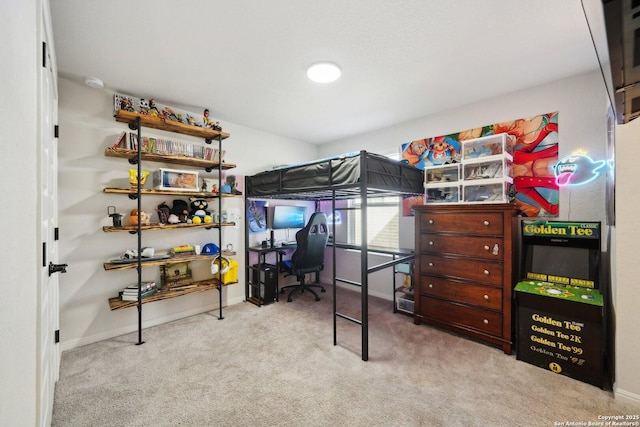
(151, 192)
(157, 226)
(116, 303)
(111, 266)
(168, 125)
(124, 153)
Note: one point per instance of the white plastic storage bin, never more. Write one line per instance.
(442, 174)
(174, 179)
(487, 168)
(442, 194)
(491, 145)
(497, 190)
(405, 304)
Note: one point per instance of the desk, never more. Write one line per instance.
(264, 251)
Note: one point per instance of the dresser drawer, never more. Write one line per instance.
(481, 247)
(468, 293)
(461, 315)
(484, 223)
(464, 268)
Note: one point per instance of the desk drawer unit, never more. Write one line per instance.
(464, 275)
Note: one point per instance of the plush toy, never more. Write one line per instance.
(164, 211)
(198, 213)
(179, 212)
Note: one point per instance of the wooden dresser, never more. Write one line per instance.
(464, 269)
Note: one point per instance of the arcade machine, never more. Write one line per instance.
(561, 320)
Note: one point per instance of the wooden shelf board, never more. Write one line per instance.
(116, 303)
(124, 153)
(168, 125)
(156, 226)
(152, 192)
(109, 266)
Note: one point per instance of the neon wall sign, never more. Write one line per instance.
(578, 169)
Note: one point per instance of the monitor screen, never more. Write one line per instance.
(574, 263)
(285, 216)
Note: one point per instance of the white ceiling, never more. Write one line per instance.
(246, 59)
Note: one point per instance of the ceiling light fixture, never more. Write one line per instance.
(324, 72)
(94, 82)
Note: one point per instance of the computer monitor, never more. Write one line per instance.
(286, 216)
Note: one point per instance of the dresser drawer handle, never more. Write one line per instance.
(486, 222)
(430, 243)
(430, 264)
(485, 321)
(430, 221)
(486, 272)
(487, 247)
(486, 297)
(431, 285)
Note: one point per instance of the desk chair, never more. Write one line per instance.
(308, 256)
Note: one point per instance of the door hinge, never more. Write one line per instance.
(56, 131)
(57, 335)
(44, 54)
(44, 254)
(56, 234)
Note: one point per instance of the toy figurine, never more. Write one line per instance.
(126, 104)
(153, 110)
(192, 121)
(205, 118)
(207, 123)
(168, 114)
(144, 107)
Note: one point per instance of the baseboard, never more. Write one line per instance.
(71, 344)
(626, 396)
(385, 296)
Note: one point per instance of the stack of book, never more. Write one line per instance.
(167, 147)
(130, 293)
(183, 250)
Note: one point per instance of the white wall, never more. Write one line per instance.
(627, 268)
(87, 127)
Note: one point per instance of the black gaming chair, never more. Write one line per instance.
(309, 255)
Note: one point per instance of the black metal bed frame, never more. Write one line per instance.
(391, 178)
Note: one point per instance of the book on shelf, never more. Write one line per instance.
(131, 291)
(121, 141)
(180, 288)
(134, 297)
(167, 147)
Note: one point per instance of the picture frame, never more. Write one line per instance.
(175, 275)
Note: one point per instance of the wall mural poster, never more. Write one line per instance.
(408, 202)
(257, 216)
(536, 153)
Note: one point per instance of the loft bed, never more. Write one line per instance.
(347, 176)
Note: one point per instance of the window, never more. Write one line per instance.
(382, 220)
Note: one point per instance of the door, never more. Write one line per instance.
(48, 356)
